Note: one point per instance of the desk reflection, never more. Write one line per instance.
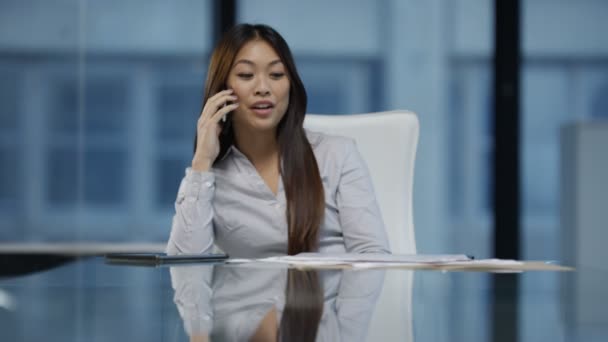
(229, 303)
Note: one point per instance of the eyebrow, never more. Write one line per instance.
(246, 61)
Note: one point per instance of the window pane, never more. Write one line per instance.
(564, 80)
(98, 88)
(105, 177)
(61, 177)
(106, 110)
(8, 176)
(470, 145)
(8, 101)
(430, 57)
(541, 122)
(64, 107)
(598, 94)
(170, 174)
(179, 107)
(340, 87)
(105, 106)
(9, 141)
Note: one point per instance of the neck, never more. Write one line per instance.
(259, 147)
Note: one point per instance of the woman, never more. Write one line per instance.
(259, 184)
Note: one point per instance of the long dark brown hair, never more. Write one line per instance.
(300, 172)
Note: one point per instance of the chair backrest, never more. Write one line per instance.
(387, 142)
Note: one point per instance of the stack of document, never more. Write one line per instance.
(364, 260)
(407, 261)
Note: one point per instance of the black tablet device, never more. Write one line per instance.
(163, 259)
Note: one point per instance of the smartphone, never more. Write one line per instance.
(227, 103)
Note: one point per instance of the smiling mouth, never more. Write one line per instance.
(262, 110)
(262, 106)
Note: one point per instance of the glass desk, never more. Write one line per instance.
(86, 299)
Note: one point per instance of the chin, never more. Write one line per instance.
(264, 123)
(259, 125)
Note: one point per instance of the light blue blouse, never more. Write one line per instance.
(232, 206)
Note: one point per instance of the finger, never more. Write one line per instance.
(218, 114)
(223, 111)
(216, 103)
(221, 94)
(217, 95)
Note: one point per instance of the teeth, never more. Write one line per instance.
(262, 106)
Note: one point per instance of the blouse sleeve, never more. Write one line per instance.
(192, 297)
(360, 218)
(356, 301)
(192, 226)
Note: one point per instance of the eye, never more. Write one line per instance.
(277, 75)
(244, 75)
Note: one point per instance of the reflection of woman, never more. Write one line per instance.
(303, 307)
(263, 304)
(259, 184)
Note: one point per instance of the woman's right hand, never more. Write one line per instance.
(208, 129)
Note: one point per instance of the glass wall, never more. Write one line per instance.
(99, 99)
(98, 104)
(430, 57)
(564, 79)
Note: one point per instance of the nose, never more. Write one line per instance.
(262, 88)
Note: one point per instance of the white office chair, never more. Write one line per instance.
(387, 142)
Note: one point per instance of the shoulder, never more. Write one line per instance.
(335, 145)
(331, 151)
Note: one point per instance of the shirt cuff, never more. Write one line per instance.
(199, 184)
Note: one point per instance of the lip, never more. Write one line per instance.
(262, 112)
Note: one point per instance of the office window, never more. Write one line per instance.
(9, 141)
(87, 103)
(98, 143)
(8, 101)
(598, 91)
(105, 176)
(430, 57)
(100, 165)
(179, 105)
(470, 143)
(540, 136)
(563, 79)
(8, 177)
(61, 177)
(105, 107)
(179, 95)
(341, 86)
(170, 173)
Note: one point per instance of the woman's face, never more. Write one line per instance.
(260, 82)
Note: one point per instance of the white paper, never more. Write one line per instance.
(356, 260)
(447, 262)
(351, 258)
